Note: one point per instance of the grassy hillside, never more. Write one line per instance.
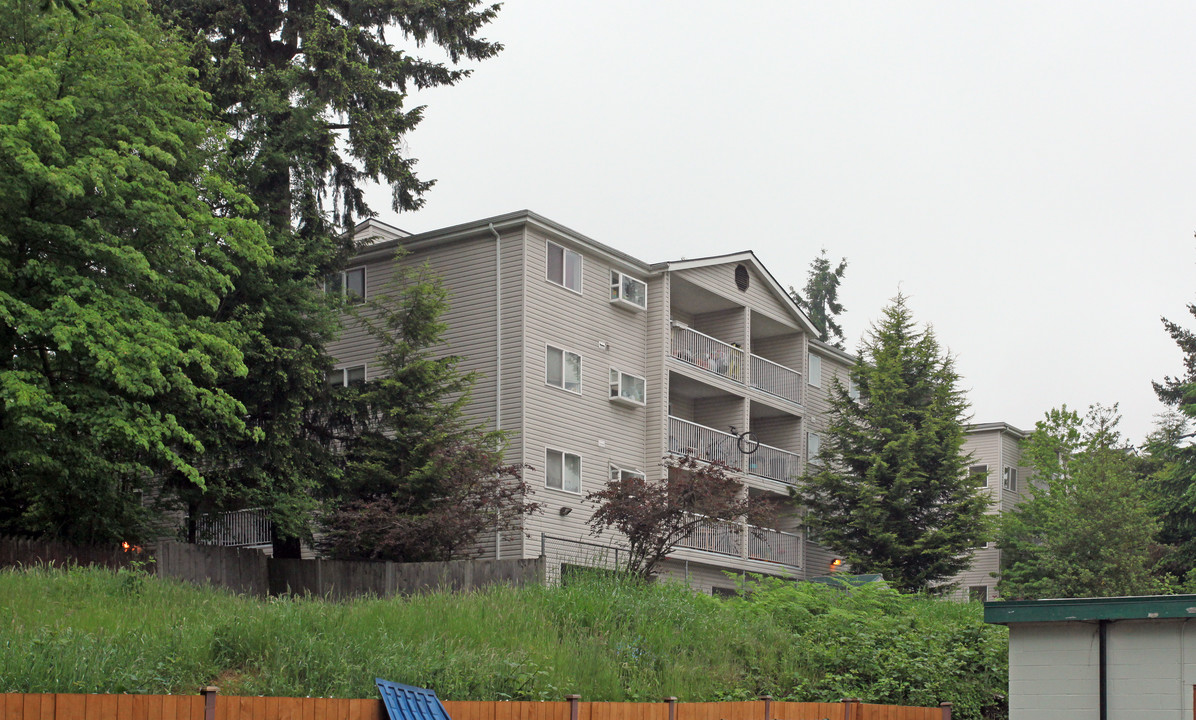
(96, 631)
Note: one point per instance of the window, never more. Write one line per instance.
(979, 475)
(1009, 481)
(343, 377)
(813, 446)
(350, 284)
(853, 392)
(562, 471)
(563, 369)
(978, 593)
(626, 290)
(815, 370)
(564, 267)
(626, 389)
(617, 473)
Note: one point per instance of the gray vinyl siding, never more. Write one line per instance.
(656, 373)
(720, 279)
(779, 432)
(726, 325)
(589, 425)
(782, 349)
(468, 269)
(1011, 455)
(720, 413)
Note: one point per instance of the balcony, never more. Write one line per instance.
(774, 464)
(701, 350)
(726, 360)
(763, 544)
(233, 529)
(775, 379)
(710, 445)
(703, 443)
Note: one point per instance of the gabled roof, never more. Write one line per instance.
(746, 257)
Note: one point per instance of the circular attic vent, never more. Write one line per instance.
(742, 279)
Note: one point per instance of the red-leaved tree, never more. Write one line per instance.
(655, 515)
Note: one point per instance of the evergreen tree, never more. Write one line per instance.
(820, 298)
(1087, 530)
(119, 237)
(418, 481)
(315, 95)
(1174, 486)
(890, 490)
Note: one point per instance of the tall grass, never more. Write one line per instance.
(88, 630)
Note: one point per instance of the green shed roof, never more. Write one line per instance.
(1150, 607)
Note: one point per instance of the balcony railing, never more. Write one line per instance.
(232, 529)
(703, 443)
(726, 360)
(773, 463)
(775, 379)
(724, 538)
(764, 544)
(774, 546)
(701, 350)
(710, 445)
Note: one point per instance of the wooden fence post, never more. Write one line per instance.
(573, 699)
(209, 701)
(767, 706)
(848, 703)
(946, 710)
(672, 701)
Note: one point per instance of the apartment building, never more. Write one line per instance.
(599, 364)
(997, 468)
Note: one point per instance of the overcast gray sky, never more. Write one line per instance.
(1024, 171)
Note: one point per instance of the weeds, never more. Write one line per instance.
(606, 638)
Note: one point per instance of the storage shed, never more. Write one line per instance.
(1100, 658)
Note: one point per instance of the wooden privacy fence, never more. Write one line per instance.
(209, 706)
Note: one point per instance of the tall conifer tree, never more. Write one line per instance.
(315, 94)
(820, 298)
(889, 491)
(1174, 486)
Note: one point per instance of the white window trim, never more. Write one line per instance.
(853, 391)
(987, 473)
(617, 282)
(1009, 479)
(616, 472)
(581, 267)
(580, 471)
(345, 285)
(812, 455)
(344, 371)
(581, 365)
(815, 360)
(616, 386)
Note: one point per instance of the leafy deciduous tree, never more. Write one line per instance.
(119, 237)
(418, 481)
(890, 492)
(820, 298)
(655, 515)
(1087, 529)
